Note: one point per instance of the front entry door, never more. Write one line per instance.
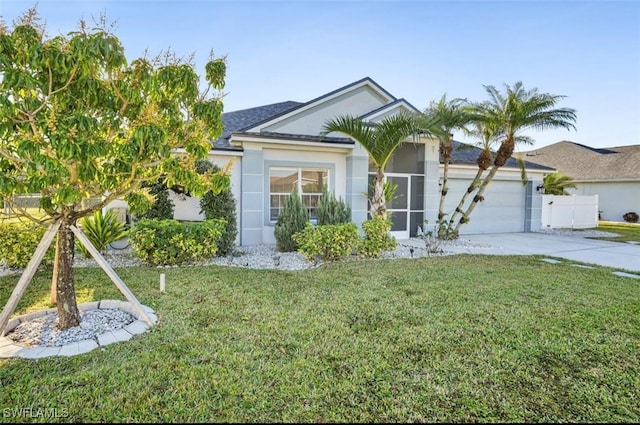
(399, 206)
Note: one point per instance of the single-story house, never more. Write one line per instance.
(276, 148)
(611, 173)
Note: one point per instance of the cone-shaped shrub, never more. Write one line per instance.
(292, 220)
(331, 210)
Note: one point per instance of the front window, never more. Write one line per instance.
(308, 182)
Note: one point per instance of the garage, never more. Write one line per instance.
(502, 211)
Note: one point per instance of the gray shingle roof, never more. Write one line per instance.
(468, 154)
(584, 163)
(301, 137)
(239, 120)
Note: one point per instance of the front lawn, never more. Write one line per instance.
(459, 338)
(629, 232)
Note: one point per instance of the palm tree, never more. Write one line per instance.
(509, 114)
(557, 184)
(380, 140)
(486, 132)
(441, 118)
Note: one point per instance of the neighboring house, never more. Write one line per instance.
(611, 173)
(277, 148)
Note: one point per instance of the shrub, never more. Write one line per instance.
(101, 229)
(376, 238)
(331, 210)
(329, 241)
(162, 208)
(222, 206)
(292, 220)
(171, 242)
(18, 243)
(631, 217)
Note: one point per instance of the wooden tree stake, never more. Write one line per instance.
(54, 279)
(112, 274)
(27, 275)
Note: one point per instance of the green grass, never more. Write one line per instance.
(12, 218)
(629, 232)
(445, 339)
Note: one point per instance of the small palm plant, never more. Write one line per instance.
(557, 184)
(102, 229)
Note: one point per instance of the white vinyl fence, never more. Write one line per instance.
(569, 212)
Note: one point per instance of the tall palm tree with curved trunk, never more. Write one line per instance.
(441, 118)
(509, 114)
(486, 132)
(380, 140)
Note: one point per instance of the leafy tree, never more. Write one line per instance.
(508, 114)
(162, 207)
(557, 184)
(380, 141)
(77, 120)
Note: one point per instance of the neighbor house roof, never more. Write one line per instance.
(584, 163)
(468, 154)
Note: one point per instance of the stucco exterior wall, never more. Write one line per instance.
(336, 163)
(614, 198)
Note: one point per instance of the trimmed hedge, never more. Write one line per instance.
(631, 217)
(376, 238)
(171, 242)
(18, 242)
(329, 241)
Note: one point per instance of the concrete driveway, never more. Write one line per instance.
(591, 251)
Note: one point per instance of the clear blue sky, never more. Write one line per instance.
(418, 50)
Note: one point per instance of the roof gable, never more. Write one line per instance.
(389, 109)
(357, 98)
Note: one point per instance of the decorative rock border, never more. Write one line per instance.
(9, 349)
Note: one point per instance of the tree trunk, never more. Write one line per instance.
(472, 187)
(68, 313)
(479, 197)
(378, 203)
(446, 150)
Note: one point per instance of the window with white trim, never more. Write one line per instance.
(308, 182)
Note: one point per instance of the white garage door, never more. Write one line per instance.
(502, 211)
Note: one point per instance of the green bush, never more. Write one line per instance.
(292, 220)
(631, 217)
(222, 206)
(376, 238)
(162, 208)
(171, 242)
(18, 243)
(331, 210)
(101, 229)
(329, 241)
